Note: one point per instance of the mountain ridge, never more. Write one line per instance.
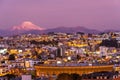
(28, 27)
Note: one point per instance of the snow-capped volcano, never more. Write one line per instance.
(27, 26)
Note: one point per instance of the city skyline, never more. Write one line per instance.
(59, 40)
(94, 14)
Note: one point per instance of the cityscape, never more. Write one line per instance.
(74, 41)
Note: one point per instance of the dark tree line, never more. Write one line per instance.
(44, 42)
(66, 76)
(110, 43)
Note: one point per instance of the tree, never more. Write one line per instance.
(78, 57)
(39, 56)
(64, 76)
(81, 33)
(110, 43)
(10, 76)
(75, 76)
(11, 57)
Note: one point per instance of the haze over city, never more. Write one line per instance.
(94, 14)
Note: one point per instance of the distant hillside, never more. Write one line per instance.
(72, 30)
(28, 27)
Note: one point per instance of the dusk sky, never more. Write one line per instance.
(95, 14)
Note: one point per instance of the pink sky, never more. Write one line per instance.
(96, 14)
